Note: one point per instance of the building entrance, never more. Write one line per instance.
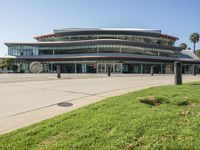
(115, 67)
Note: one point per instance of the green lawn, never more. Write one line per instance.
(121, 122)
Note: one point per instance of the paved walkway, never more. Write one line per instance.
(25, 103)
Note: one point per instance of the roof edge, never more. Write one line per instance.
(64, 30)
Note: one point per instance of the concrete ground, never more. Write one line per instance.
(28, 98)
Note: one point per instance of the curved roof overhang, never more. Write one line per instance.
(64, 30)
(93, 31)
(138, 32)
(104, 56)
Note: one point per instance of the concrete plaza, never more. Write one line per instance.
(28, 98)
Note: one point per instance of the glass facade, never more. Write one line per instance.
(128, 67)
(134, 38)
(134, 67)
(82, 49)
(22, 50)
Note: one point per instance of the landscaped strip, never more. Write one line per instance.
(156, 118)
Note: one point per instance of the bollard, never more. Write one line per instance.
(109, 70)
(58, 72)
(177, 73)
(194, 71)
(152, 70)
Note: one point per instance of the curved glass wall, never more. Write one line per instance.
(135, 38)
(84, 49)
(107, 49)
(22, 50)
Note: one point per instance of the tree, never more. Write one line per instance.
(189, 48)
(194, 38)
(9, 64)
(183, 46)
(5, 63)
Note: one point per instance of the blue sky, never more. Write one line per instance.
(21, 20)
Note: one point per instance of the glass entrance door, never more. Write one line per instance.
(115, 67)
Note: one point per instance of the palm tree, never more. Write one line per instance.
(183, 46)
(194, 38)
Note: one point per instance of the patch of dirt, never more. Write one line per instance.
(52, 140)
(184, 103)
(188, 103)
(152, 100)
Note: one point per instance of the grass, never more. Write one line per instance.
(122, 122)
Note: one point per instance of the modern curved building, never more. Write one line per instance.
(92, 50)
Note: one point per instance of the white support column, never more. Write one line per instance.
(83, 68)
